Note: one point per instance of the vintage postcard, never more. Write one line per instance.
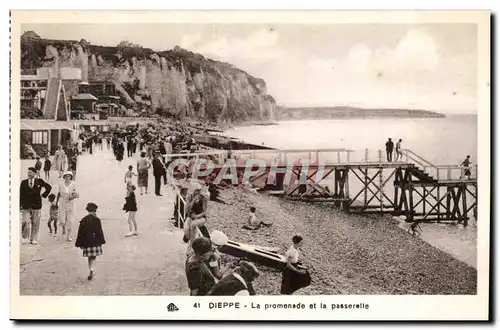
(250, 165)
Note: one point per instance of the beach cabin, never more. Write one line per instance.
(53, 127)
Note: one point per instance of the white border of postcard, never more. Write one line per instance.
(451, 307)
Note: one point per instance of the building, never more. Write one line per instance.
(46, 92)
(97, 88)
(33, 92)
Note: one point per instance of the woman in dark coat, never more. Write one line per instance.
(119, 150)
(90, 237)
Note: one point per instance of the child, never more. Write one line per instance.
(131, 207)
(38, 166)
(253, 223)
(90, 238)
(53, 214)
(128, 176)
(46, 167)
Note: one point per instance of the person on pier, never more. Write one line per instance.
(466, 164)
(389, 147)
(399, 153)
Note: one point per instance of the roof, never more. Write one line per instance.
(44, 124)
(85, 96)
(29, 77)
(109, 97)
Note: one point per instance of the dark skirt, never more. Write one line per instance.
(292, 281)
(142, 178)
(92, 251)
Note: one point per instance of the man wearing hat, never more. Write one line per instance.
(238, 283)
(31, 204)
(159, 171)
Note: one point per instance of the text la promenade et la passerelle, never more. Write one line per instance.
(276, 306)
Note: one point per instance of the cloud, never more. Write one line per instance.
(410, 74)
(259, 45)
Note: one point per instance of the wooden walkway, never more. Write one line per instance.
(412, 187)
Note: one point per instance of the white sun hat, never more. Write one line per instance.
(219, 238)
(68, 173)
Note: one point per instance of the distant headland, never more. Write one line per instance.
(297, 113)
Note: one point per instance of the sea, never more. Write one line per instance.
(441, 141)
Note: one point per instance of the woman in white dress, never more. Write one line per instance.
(66, 201)
(60, 160)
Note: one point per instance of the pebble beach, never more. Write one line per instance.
(346, 254)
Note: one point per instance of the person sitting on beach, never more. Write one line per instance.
(253, 223)
(218, 239)
(200, 279)
(196, 211)
(294, 277)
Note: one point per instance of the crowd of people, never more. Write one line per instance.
(205, 272)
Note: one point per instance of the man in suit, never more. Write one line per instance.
(159, 171)
(31, 204)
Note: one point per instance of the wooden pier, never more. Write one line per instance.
(366, 184)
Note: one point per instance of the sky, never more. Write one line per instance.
(429, 66)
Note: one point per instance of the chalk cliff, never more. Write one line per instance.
(175, 82)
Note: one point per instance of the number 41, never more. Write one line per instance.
(196, 305)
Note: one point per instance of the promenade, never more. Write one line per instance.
(149, 264)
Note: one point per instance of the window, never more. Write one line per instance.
(39, 137)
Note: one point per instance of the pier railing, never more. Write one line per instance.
(293, 156)
(440, 172)
(336, 156)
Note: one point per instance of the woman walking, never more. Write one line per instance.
(90, 238)
(143, 166)
(119, 150)
(59, 160)
(66, 201)
(131, 207)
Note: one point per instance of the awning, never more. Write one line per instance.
(38, 125)
(85, 96)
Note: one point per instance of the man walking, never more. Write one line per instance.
(389, 147)
(31, 204)
(399, 153)
(158, 172)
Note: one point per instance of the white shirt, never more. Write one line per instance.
(292, 255)
(31, 182)
(252, 219)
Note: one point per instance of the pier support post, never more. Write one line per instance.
(411, 211)
(464, 205)
(381, 189)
